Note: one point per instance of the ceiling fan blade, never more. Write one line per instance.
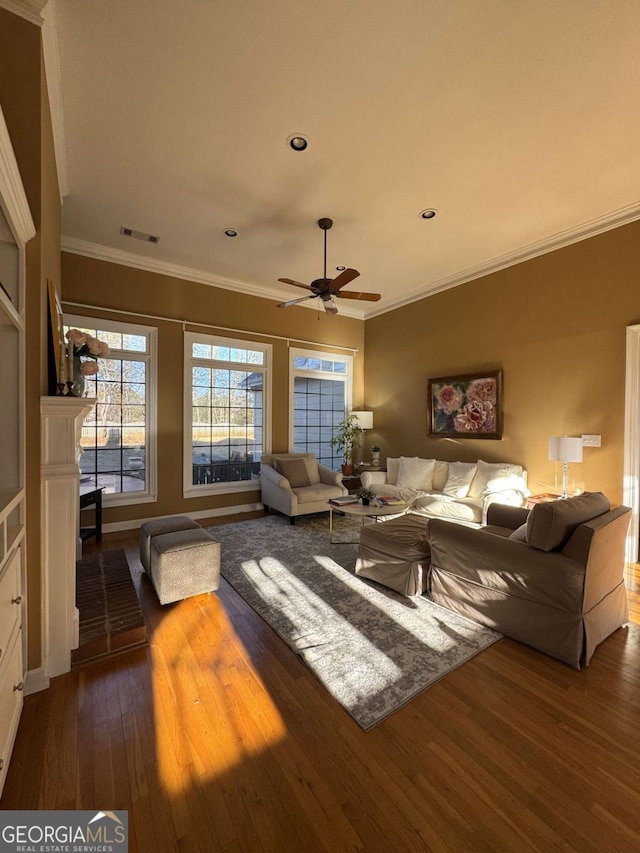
(353, 294)
(295, 283)
(295, 301)
(344, 278)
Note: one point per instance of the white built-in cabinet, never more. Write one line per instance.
(16, 229)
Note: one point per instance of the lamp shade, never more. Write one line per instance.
(565, 448)
(365, 419)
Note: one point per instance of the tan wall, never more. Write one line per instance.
(21, 96)
(99, 283)
(555, 325)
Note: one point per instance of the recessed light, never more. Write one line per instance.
(429, 213)
(297, 142)
(341, 268)
(230, 232)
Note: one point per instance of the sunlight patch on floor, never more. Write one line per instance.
(203, 685)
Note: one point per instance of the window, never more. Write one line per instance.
(320, 395)
(226, 413)
(118, 437)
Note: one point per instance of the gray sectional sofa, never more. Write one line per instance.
(550, 577)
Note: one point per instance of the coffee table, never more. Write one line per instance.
(363, 512)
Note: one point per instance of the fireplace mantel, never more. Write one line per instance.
(61, 430)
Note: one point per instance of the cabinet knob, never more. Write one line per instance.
(17, 600)
(19, 686)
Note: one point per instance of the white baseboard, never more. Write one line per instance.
(116, 526)
(35, 681)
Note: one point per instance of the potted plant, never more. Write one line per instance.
(346, 441)
(365, 495)
(375, 454)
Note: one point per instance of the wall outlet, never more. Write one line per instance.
(591, 440)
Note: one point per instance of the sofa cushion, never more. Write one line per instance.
(416, 473)
(520, 533)
(440, 475)
(455, 509)
(392, 470)
(495, 477)
(283, 466)
(550, 525)
(460, 476)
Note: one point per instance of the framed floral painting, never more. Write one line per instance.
(468, 406)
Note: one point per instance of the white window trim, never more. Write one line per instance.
(295, 352)
(189, 489)
(150, 495)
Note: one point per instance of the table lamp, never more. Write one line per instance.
(565, 449)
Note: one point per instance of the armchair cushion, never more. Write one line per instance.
(308, 459)
(550, 525)
(295, 470)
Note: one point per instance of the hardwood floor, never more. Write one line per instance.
(216, 737)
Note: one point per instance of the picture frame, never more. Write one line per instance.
(465, 406)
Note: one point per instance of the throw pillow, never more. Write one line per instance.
(495, 477)
(549, 525)
(460, 476)
(392, 470)
(416, 473)
(295, 472)
(520, 533)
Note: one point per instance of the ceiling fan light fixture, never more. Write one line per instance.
(297, 142)
(230, 232)
(428, 213)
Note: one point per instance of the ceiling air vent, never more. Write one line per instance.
(139, 235)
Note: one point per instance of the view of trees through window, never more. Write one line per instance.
(227, 412)
(115, 435)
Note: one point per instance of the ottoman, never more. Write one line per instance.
(158, 526)
(184, 563)
(396, 554)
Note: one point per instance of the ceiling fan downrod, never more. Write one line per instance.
(325, 224)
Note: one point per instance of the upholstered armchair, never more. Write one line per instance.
(295, 484)
(551, 578)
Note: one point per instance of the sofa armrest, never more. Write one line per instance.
(367, 478)
(330, 477)
(508, 497)
(503, 515)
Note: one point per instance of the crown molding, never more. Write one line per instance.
(30, 10)
(608, 222)
(76, 246)
(51, 52)
(12, 194)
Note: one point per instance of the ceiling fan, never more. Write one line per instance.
(327, 288)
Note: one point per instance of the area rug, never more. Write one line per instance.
(110, 616)
(373, 649)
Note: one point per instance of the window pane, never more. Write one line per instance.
(232, 405)
(319, 404)
(114, 437)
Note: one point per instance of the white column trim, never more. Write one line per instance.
(61, 429)
(14, 199)
(631, 467)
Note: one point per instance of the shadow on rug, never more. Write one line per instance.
(373, 649)
(110, 616)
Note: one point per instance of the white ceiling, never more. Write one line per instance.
(518, 121)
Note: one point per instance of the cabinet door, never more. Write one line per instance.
(11, 692)
(10, 603)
